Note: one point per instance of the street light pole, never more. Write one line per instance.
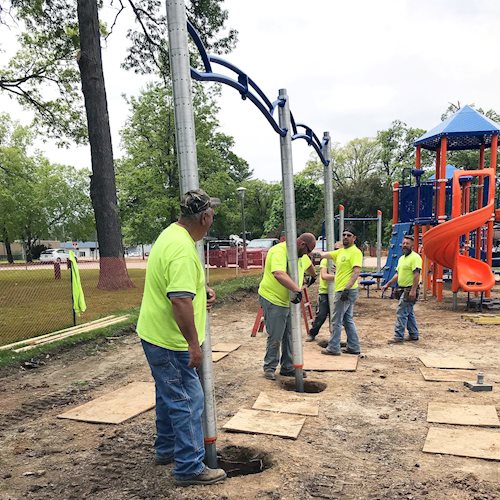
(241, 193)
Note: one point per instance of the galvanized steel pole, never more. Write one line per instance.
(291, 232)
(188, 168)
(329, 215)
(341, 221)
(379, 240)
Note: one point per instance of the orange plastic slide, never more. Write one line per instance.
(441, 243)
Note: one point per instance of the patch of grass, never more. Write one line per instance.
(34, 303)
(225, 288)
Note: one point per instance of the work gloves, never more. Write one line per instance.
(344, 295)
(309, 280)
(296, 298)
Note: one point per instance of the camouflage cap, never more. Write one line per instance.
(197, 201)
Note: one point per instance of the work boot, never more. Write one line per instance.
(395, 341)
(329, 353)
(208, 476)
(350, 351)
(269, 374)
(323, 343)
(310, 338)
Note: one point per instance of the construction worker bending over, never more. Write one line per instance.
(348, 261)
(275, 298)
(172, 328)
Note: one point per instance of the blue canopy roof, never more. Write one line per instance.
(449, 172)
(466, 129)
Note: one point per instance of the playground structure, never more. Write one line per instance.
(451, 214)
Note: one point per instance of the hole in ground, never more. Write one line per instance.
(310, 386)
(241, 461)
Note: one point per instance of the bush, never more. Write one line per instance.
(36, 250)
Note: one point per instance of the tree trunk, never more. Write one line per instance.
(113, 270)
(8, 249)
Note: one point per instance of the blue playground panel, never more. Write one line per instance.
(399, 231)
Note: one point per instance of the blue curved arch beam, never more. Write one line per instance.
(251, 91)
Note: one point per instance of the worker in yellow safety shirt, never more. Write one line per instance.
(275, 298)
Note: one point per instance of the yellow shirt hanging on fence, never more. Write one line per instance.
(79, 304)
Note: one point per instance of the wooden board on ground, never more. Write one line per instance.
(117, 406)
(315, 361)
(444, 375)
(264, 422)
(461, 414)
(33, 340)
(55, 338)
(225, 347)
(287, 402)
(482, 319)
(445, 361)
(217, 356)
(475, 443)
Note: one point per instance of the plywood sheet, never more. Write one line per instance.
(264, 422)
(287, 402)
(444, 375)
(445, 361)
(315, 361)
(117, 406)
(475, 443)
(225, 347)
(217, 356)
(461, 414)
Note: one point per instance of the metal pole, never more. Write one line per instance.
(341, 221)
(329, 216)
(291, 232)
(188, 169)
(379, 240)
(241, 193)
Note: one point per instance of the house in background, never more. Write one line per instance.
(83, 249)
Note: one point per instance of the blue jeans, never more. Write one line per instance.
(179, 408)
(279, 334)
(342, 315)
(405, 319)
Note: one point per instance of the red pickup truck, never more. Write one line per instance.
(257, 250)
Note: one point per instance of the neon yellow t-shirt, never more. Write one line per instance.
(173, 266)
(323, 284)
(406, 265)
(270, 288)
(345, 259)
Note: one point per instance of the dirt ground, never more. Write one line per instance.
(366, 442)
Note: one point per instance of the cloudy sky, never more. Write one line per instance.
(349, 67)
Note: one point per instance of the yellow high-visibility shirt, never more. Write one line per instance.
(345, 260)
(173, 266)
(277, 260)
(407, 264)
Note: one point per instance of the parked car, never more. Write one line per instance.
(54, 255)
(257, 250)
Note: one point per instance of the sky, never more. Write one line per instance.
(349, 68)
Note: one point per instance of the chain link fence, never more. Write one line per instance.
(36, 298)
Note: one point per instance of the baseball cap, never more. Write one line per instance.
(197, 201)
(350, 229)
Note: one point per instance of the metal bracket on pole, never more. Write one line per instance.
(291, 233)
(188, 168)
